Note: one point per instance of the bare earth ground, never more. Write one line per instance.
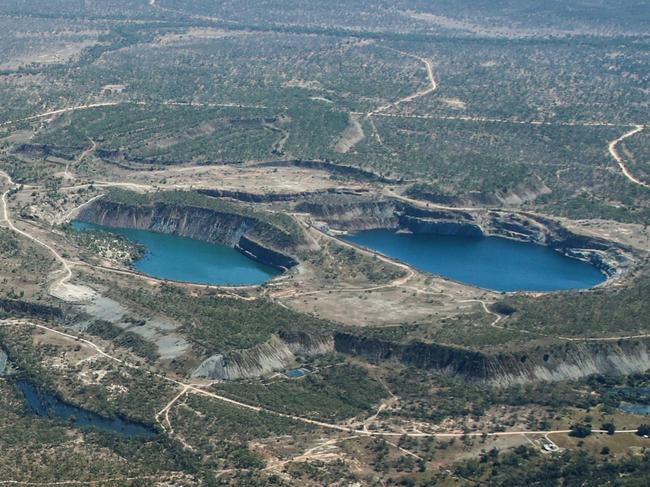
(241, 177)
(632, 234)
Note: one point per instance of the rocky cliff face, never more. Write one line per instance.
(571, 360)
(274, 197)
(265, 255)
(199, 223)
(45, 150)
(338, 169)
(276, 354)
(564, 361)
(243, 233)
(610, 258)
(353, 214)
(521, 193)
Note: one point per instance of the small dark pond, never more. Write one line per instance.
(296, 373)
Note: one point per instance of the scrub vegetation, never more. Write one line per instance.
(220, 324)
(334, 393)
(597, 312)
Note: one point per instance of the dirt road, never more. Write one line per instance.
(617, 157)
(433, 86)
(61, 288)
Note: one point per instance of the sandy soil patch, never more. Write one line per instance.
(52, 53)
(196, 33)
(160, 331)
(247, 178)
(632, 234)
(303, 83)
(71, 293)
(351, 136)
(70, 351)
(497, 29)
(415, 301)
(455, 103)
(321, 98)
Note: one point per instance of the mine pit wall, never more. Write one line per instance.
(336, 169)
(568, 361)
(276, 197)
(611, 259)
(276, 354)
(528, 190)
(204, 224)
(356, 216)
(265, 255)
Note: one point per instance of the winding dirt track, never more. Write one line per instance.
(498, 318)
(76, 209)
(380, 111)
(617, 157)
(417, 94)
(433, 86)
(84, 154)
(59, 285)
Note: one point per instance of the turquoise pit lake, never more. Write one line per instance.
(189, 260)
(489, 262)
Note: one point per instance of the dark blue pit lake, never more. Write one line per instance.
(49, 405)
(489, 262)
(185, 259)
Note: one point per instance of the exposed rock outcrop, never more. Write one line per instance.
(523, 192)
(265, 255)
(571, 360)
(438, 223)
(276, 354)
(331, 167)
(273, 197)
(45, 150)
(564, 361)
(353, 213)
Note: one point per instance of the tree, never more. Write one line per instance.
(580, 430)
(643, 430)
(610, 427)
